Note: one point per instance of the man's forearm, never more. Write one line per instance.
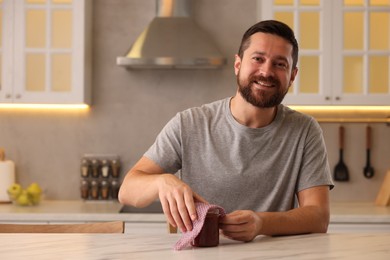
(308, 219)
(138, 189)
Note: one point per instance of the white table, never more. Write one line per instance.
(130, 246)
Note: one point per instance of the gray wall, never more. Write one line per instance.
(130, 107)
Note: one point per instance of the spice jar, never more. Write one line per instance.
(84, 189)
(105, 169)
(115, 167)
(95, 165)
(94, 189)
(104, 189)
(209, 234)
(114, 189)
(85, 168)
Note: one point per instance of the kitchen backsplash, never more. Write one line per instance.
(129, 108)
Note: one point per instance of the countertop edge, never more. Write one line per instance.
(82, 211)
(87, 217)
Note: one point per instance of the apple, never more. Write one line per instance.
(14, 191)
(34, 191)
(23, 199)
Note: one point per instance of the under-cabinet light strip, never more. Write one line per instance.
(45, 106)
(347, 114)
(382, 109)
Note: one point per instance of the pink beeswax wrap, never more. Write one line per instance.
(189, 236)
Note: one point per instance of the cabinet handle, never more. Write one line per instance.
(18, 96)
(8, 95)
(338, 98)
(327, 98)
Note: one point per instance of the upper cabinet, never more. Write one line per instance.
(344, 50)
(44, 51)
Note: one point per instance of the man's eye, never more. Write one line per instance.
(257, 58)
(281, 65)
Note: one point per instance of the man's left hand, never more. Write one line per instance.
(242, 225)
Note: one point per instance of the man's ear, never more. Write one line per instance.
(293, 75)
(237, 64)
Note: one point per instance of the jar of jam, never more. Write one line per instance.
(209, 234)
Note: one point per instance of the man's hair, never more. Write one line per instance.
(271, 27)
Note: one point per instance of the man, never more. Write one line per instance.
(263, 162)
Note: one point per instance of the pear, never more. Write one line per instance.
(34, 191)
(14, 191)
(23, 199)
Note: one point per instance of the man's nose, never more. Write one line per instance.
(266, 69)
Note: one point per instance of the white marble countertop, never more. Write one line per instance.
(127, 246)
(78, 210)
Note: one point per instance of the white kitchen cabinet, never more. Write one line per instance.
(344, 50)
(44, 51)
(146, 228)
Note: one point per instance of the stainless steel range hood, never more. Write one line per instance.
(173, 41)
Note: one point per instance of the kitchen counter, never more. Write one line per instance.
(72, 211)
(88, 211)
(128, 246)
(357, 212)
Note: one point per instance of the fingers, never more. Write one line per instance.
(182, 215)
(167, 212)
(185, 211)
(242, 225)
(189, 202)
(177, 214)
(178, 203)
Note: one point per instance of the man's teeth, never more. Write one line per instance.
(264, 83)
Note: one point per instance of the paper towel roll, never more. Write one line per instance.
(7, 178)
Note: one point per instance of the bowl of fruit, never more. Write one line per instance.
(29, 196)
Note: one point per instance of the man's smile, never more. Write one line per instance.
(259, 84)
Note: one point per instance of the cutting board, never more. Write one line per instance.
(383, 197)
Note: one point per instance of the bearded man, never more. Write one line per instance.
(264, 163)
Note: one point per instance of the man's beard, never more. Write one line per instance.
(262, 99)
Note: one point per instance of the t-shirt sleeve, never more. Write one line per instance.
(166, 150)
(315, 169)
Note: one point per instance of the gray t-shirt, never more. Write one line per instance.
(238, 167)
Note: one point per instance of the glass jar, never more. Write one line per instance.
(209, 234)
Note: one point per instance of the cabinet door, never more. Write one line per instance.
(50, 63)
(312, 86)
(6, 50)
(362, 52)
(344, 50)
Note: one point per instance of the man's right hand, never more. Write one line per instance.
(146, 181)
(178, 201)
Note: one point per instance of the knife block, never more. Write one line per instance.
(383, 197)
